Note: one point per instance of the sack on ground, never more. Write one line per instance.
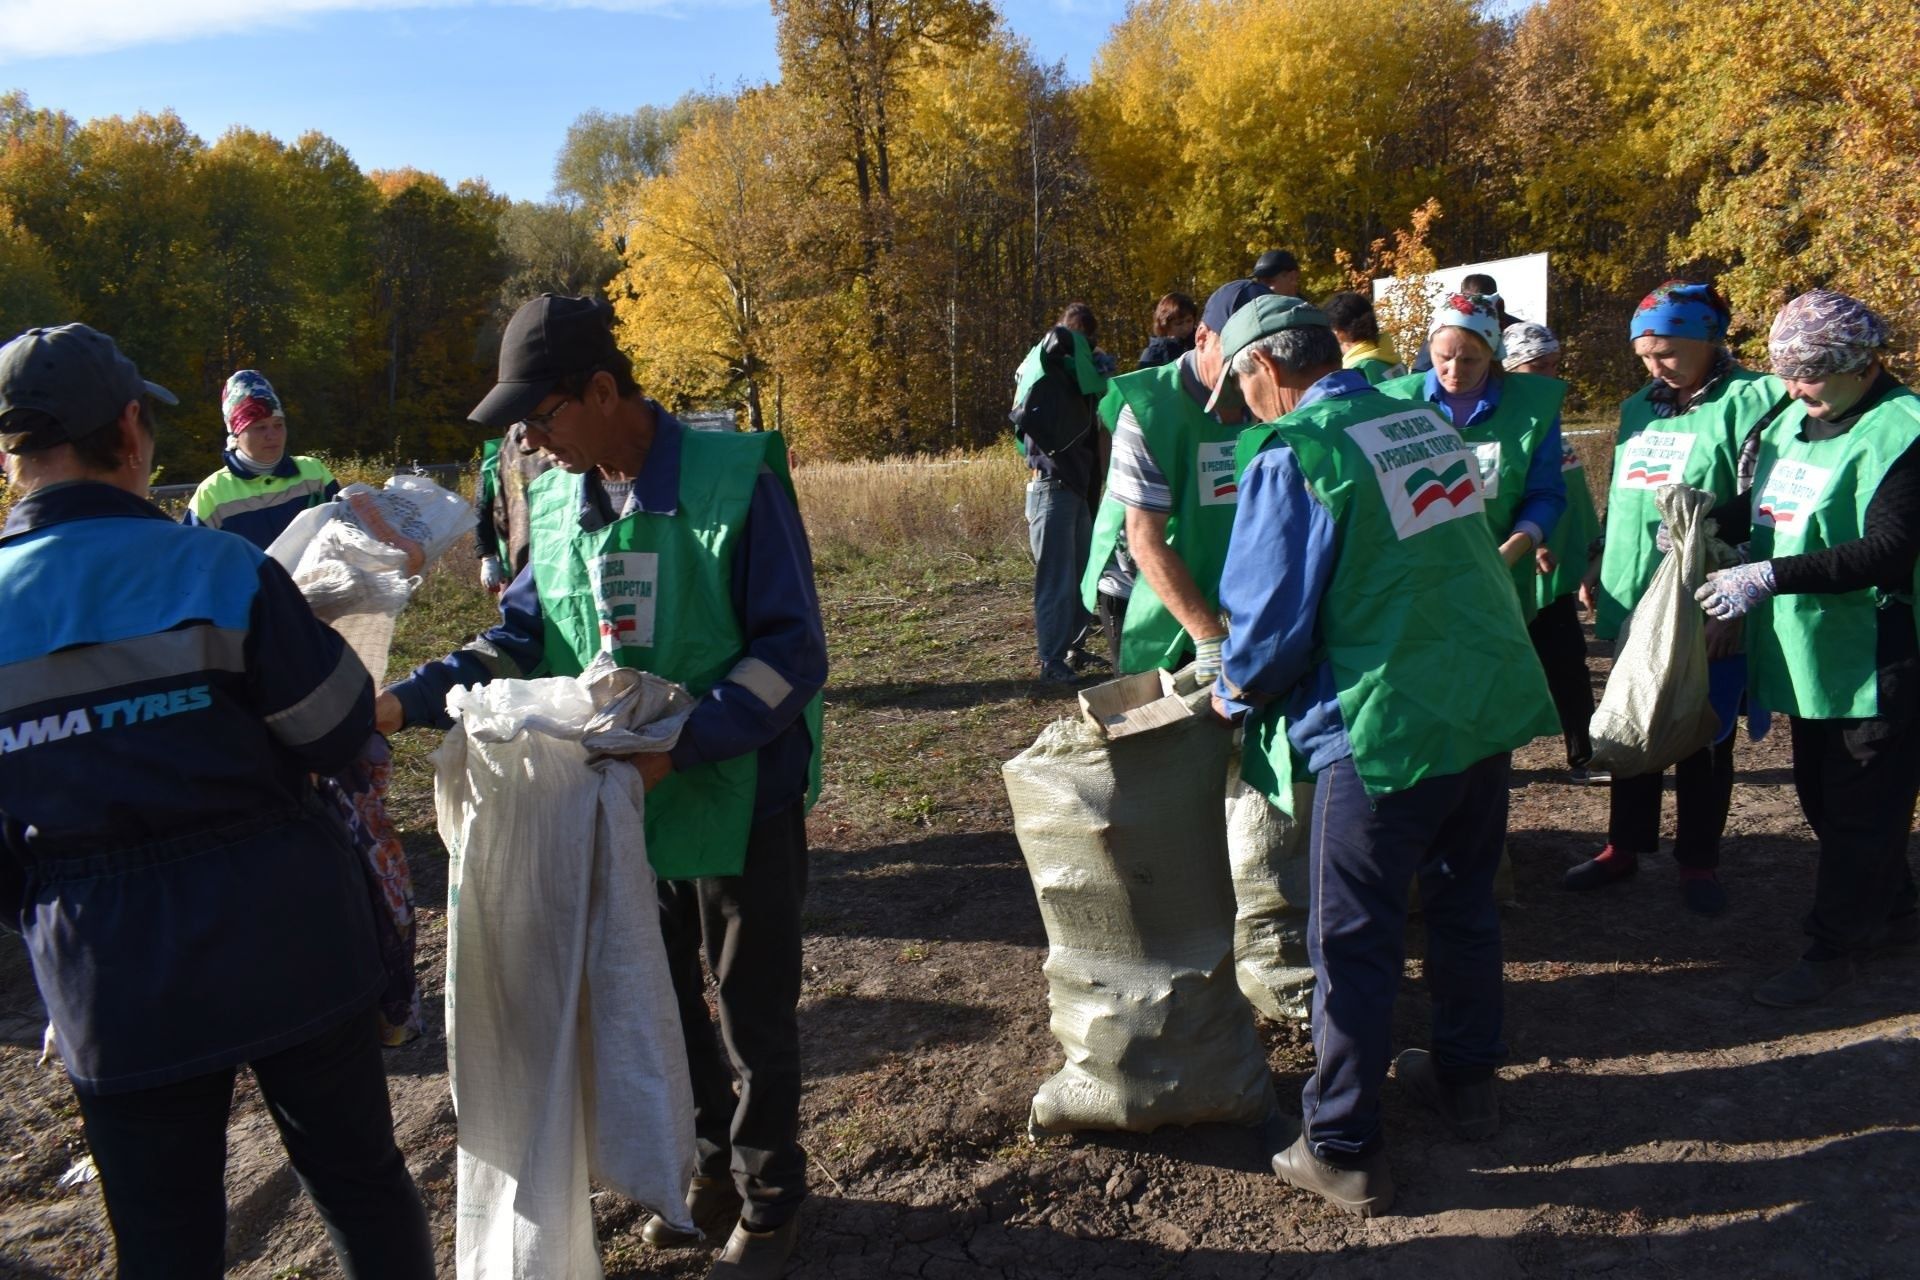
(564, 1048)
(1267, 853)
(1655, 711)
(1125, 840)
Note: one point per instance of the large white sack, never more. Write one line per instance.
(564, 1048)
(1654, 711)
(1125, 840)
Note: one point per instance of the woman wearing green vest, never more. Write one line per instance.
(261, 487)
(1555, 630)
(1358, 329)
(682, 553)
(1686, 426)
(1511, 421)
(1370, 610)
(1828, 594)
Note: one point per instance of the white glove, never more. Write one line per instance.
(492, 576)
(1206, 658)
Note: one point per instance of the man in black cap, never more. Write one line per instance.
(1279, 270)
(166, 697)
(679, 552)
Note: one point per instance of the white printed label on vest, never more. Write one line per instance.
(1213, 472)
(1654, 459)
(1788, 495)
(624, 586)
(1569, 460)
(1425, 470)
(1487, 454)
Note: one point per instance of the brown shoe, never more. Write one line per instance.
(1471, 1110)
(713, 1203)
(1366, 1190)
(756, 1255)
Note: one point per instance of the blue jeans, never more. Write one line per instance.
(1362, 856)
(1060, 536)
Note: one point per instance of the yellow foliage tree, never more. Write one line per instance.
(1805, 123)
(708, 247)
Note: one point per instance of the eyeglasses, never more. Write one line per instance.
(541, 421)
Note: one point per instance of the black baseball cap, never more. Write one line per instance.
(1273, 262)
(1227, 299)
(73, 375)
(548, 338)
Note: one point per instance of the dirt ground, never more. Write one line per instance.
(1656, 1121)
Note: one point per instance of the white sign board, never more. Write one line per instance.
(1522, 281)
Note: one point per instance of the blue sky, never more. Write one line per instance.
(464, 88)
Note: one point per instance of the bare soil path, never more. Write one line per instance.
(1656, 1121)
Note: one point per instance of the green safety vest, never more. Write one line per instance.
(1376, 370)
(489, 470)
(1196, 454)
(1503, 444)
(1817, 655)
(1430, 655)
(1578, 527)
(654, 589)
(1699, 448)
(223, 495)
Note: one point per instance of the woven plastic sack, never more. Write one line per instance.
(1126, 845)
(1267, 853)
(564, 1047)
(1655, 711)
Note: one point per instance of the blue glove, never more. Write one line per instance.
(1206, 658)
(1730, 593)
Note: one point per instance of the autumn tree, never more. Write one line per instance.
(708, 251)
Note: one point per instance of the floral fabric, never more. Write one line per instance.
(1681, 309)
(1477, 313)
(358, 795)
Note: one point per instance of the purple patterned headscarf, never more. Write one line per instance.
(1822, 333)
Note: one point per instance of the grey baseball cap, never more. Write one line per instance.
(74, 375)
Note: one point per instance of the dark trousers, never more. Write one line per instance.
(750, 924)
(1562, 648)
(1363, 857)
(162, 1156)
(1702, 793)
(1113, 620)
(1856, 780)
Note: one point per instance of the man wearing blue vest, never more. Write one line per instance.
(679, 552)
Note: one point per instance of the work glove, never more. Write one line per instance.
(492, 577)
(1206, 658)
(1730, 593)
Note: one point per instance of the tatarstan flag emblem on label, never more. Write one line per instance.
(1427, 486)
(1649, 473)
(1779, 513)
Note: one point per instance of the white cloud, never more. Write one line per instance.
(62, 28)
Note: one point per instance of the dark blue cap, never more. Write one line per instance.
(73, 375)
(1227, 299)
